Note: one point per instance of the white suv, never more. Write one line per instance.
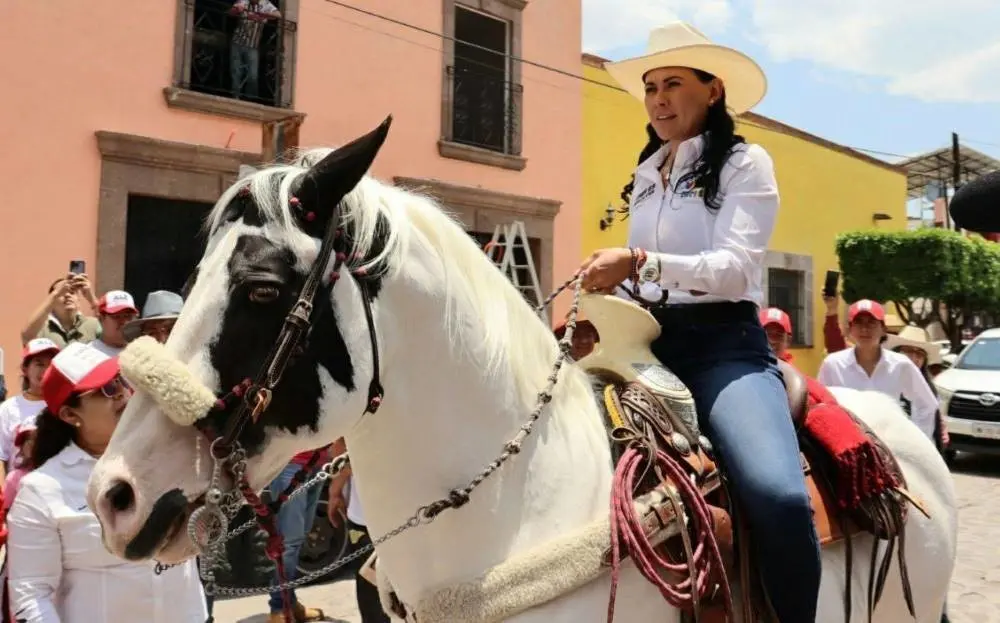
(970, 396)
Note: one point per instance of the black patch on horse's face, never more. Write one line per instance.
(242, 206)
(250, 329)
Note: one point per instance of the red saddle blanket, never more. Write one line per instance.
(859, 471)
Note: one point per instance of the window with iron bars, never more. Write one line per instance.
(786, 291)
(241, 55)
(485, 102)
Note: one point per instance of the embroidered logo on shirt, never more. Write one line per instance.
(688, 189)
(644, 194)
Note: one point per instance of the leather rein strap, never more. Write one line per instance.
(256, 394)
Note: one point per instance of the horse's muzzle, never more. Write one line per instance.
(168, 515)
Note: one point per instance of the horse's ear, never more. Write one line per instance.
(331, 178)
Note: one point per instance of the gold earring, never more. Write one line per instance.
(78, 424)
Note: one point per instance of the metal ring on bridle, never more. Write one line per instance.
(213, 523)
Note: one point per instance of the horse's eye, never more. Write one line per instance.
(264, 294)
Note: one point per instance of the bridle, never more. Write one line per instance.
(253, 396)
(208, 525)
(250, 399)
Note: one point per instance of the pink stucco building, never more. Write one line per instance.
(122, 123)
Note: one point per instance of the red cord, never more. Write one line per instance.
(275, 543)
(626, 525)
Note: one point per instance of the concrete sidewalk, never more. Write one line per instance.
(336, 599)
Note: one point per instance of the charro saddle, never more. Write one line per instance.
(644, 400)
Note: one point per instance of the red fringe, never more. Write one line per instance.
(859, 473)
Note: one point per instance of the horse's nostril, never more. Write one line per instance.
(121, 496)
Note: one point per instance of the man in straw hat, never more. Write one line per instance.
(702, 206)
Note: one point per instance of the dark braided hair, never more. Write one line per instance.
(720, 138)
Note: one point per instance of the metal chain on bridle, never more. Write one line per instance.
(208, 526)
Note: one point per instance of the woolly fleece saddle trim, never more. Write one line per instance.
(525, 581)
(152, 370)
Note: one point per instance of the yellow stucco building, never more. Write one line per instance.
(825, 189)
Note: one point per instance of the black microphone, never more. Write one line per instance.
(976, 205)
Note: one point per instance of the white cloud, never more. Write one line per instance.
(934, 50)
(610, 24)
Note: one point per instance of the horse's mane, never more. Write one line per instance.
(514, 340)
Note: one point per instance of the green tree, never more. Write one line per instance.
(956, 276)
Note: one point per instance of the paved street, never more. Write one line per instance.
(975, 589)
(975, 593)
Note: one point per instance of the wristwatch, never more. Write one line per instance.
(650, 271)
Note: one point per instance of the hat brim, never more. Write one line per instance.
(933, 351)
(96, 378)
(778, 324)
(866, 313)
(119, 309)
(133, 329)
(52, 350)
(742, 77)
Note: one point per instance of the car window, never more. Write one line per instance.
(982, 354)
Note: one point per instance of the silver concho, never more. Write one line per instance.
(705, 444)
(686, 413)
(657, 377)
(680, 443)
(675, 396)
(207, 527)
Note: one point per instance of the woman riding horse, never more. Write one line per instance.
(702, 205)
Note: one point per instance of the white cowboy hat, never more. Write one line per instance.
(915, 337)
(680, 45)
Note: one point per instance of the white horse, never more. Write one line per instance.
(462, 359)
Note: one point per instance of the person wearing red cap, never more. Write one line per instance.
(59, 568)
(869, 366)
(778, 327)
(584, 338)
(21, 410)
(115, 310)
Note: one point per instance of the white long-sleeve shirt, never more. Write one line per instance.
(894, 375)
(59, 571)
(719, 253)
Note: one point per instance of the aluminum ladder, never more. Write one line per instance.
(509, 251)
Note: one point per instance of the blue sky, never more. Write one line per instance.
(882, 75)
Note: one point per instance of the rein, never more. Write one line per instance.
(208, 525)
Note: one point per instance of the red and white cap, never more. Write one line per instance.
(115, 301)
(38, 346)
(773, 315)
(866, 306)
(21, 433)
(77, 368)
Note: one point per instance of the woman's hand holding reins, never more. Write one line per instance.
(605, 269)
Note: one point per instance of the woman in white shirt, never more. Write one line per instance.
(59, 569)
(21, 410)
(870, 365)
(702, 205)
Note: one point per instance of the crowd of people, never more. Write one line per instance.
(51, 434)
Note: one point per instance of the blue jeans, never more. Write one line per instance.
(244, 65)
(295, 520)
(743, 410)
